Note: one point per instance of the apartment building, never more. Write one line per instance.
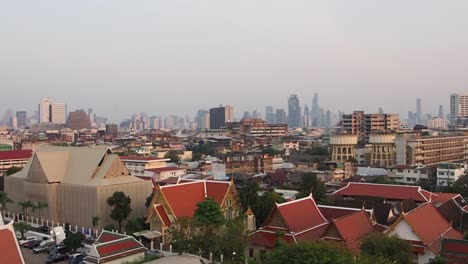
(259, 128)
(448, 173)
(362, 125)
(137, 165)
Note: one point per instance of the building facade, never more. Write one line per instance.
(219, 116)
(343, 147)
(459, 110)
(363, 125)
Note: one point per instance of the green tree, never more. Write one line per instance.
(196, 156)
(4, 200)
(40, 206)
(172, 155)
(21, 227)
(121, 207)
(12, 170)
(461, 186)
(311, 184)
(389, 247)
(181, 235)
(264, 205)
(208, 213)
(248, 194)
(317, 151)
(305, 253)
(73, 241)
(25, 206)
(95, 221)
(135, 225)
(234, 237)
(270, 151)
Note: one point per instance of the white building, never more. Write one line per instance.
(437, 123)
(137, 165)
(164, 173)
(458, 108)
(408, 174)
(448, 173)
(59, 113)
(44, 110)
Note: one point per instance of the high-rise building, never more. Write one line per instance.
(58, 113)
(219, 116)
(111, 129)
(21, 117)
(270, 116)
(459, 110)
(155, 122)
(441, 111)
(78, 120)
(363, 125)
(203, 119)
(419, 113)
(315, 110)
(281, 116)
(44, 110)
(294, 111)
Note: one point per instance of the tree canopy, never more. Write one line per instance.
(12, 170)
(172, 155)
(121, 207)
(4, 200)
(21, 227)
(306, 252)
(208, 213)
(311, 184)
(73, 241)
(392, 248)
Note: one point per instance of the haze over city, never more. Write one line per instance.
(176, 57)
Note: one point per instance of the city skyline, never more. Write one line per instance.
(175, 58)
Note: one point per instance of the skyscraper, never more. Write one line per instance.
(203, 119)
(58, 113)
(419, 114)
(281, 116)
(21, 117)
(44, 110)
(315, 110)
(219, 116)
(270, 116)
(459, 110)
(441, 111)
(294, 111)
(78, 120)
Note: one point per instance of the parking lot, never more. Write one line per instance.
(31, 258)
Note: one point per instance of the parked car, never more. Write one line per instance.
(75, 258)
(34, 244)
(58, 249)
(153, 252)
(26, 245)
(56, 258)
(43, 247)
(27, 239)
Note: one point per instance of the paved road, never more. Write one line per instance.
(31, 258)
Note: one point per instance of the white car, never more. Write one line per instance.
(27, 239)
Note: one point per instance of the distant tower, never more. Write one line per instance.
(44, 110)
(381, 111)
(315, 110)
(270, 116)
(441, 111)
(419, 114)
(294, 111)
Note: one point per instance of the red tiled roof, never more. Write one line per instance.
(335, 212)
(313, 234)
(388, 191)
(164, 169)
(443, 197)
(9, 248)
(268, 238)
(432, 233)
(353, 228)
(183, 198)
(118, 246)
(217, 190)
(162, 214)
(15, 154)
(301, 214)
(454, 251)
(139, 158)
(107, 236)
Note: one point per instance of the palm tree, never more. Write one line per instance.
(4, 199)
(95, 221)
(25, 206)
(40, 206)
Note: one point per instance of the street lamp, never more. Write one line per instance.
(233, 256)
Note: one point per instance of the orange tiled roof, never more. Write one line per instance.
(9, 248)
(388, 191)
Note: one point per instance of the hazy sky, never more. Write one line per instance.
(163, 57)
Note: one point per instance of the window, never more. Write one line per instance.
(228, 202)
(251, 252)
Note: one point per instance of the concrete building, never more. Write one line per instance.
(219, 116)
(111, 129)
(270, 116)
(138, 165)
(21, 118)
(75, 182)
(408, 174)
(281, 116)
(203, 119)
(258, 128)
(412, 149)
(363, 125)
(78, 120)
(44, 110)
(437, 123)
(448, 173)
(459, 110)
(419, 113)
(13, 158)
(164, 173)
(58, 113)
(294, 112)
(383, 149)
(343, 147)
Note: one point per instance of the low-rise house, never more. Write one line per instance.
(173, 202)
(114, 248)
(424, 236)
(13, 158)
(137, 165)
(164, 173)
(448, 173)
(408, 174)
